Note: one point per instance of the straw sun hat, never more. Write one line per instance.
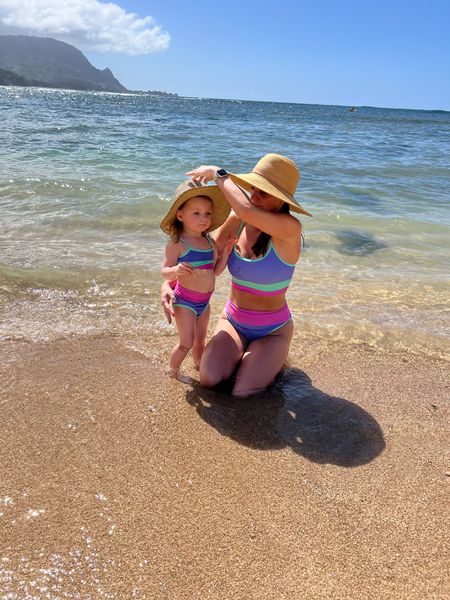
(276, 175)
(190, 189)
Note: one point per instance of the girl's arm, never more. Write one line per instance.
(278, 225)
(221, 262)
(170, 269)
(227, 231)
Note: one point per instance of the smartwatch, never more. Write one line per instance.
(220, 174)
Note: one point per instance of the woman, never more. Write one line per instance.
(254, 332)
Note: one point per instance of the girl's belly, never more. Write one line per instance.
(201, 280)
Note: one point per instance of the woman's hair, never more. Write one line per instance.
(176, 228)
(262, 241)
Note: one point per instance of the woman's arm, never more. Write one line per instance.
(278, 225)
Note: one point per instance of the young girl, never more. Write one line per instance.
(191, 261)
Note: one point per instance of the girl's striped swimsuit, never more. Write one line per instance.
(197, 302)
(269, 275)
(198, 259)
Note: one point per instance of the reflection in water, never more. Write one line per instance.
(293, 413)
(358, 242)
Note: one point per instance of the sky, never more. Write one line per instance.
(373, 52)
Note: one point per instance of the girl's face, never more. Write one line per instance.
(195, 214)
(265, 201)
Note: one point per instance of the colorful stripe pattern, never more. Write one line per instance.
(255, 324)
(198, 259)
(266, 276)
(195, 301)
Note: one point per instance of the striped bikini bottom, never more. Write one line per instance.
(197, 302)
(255, 324)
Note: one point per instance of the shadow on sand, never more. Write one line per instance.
(293, 413)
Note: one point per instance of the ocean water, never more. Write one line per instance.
(85, 178)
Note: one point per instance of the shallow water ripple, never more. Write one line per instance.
(86, 178)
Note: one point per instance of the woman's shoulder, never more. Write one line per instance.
(289, 229)
(288, 246)
(292, 222)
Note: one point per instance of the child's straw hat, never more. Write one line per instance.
(190, 189)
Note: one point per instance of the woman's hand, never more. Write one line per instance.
(203, 174)
(167, 298)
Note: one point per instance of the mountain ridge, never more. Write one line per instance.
(46, 62)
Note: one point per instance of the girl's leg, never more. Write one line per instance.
(185, 320)
(222, 353)
(263, 360)
(200, 331)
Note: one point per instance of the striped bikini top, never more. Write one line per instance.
(198, 259)
(269, 275)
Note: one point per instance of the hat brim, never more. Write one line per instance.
(250, 180)
(220, 210)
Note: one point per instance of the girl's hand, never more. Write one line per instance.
(227, 249)
(223, 259)
(183, 269)
(203, 174)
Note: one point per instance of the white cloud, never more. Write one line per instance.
(88, 23)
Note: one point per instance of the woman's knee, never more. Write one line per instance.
(209, 380)
(222, 354)
(211, 372)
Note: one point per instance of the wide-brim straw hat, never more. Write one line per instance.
(190, 189)
(276, 175)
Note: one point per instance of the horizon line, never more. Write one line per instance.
(185, 96)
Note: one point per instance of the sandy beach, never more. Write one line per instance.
(117, 482)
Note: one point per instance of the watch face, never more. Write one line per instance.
(221, 173)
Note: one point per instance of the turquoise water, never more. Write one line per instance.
(85, 178)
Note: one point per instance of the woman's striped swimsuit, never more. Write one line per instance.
(269, 275)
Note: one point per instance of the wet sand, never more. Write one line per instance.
(117, 482)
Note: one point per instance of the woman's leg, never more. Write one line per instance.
(200, 331)
(185, 320)
(262, 361)
(222, 353)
